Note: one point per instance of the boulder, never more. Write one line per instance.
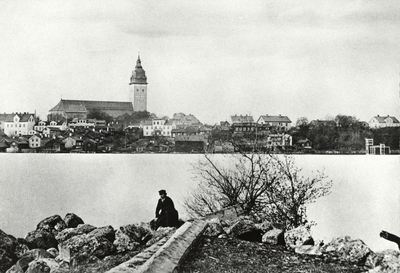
(274, 237)
(8, 244)
(298, 236)
(136, 232)
(14, 269)
(52, 263)
(6, 260)
(130, 237)
(41, 239)
(241, 227)
(38, 267)
(106, 232)
(31, 255)
(355, 251)
(387, 261)
(124, 243)
(53, 224)
(21, 249)
(71, 232)
(72, 220)
(309, 250)
(95, 243)
(53, 251)
(214, 228)
(264, 226)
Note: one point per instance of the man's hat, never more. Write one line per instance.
(162, 192)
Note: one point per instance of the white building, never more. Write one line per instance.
(18, 124)
(383, 121)
(279, 121)
(158, 126)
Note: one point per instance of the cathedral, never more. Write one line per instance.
(137, 100)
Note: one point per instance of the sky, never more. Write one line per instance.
(210, 58)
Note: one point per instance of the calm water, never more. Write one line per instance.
(123, 189)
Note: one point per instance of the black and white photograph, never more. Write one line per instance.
(199, 136)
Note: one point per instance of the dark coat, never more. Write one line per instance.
(164, 206)
(166, 214)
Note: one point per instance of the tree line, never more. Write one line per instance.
(344, 134)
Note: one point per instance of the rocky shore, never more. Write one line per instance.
(230, 243)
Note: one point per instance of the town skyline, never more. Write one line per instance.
(212, 60)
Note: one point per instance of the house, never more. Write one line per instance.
(276, 141)
(224, 124)
(40, 126)
(190, 144)
(240, 123)
(90, 146)
(54, 145)
(275, 121)
(69, 142)
(13, 147)
(185, 120)
(35, 141)
(158, 127)
(383, 121)
(3, 146)
(241, 119)
(18, 123)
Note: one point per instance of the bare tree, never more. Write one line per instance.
(268, 187)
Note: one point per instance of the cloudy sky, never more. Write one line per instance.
(212, 58)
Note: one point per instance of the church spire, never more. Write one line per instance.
(138, 75)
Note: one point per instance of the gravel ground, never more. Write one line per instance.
(234, 255)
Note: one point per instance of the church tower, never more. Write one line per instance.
(138, 88)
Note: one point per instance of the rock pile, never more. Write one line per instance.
(62, 245)
(342, 249)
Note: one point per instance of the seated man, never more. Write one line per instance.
(390, 237)
(166, 214)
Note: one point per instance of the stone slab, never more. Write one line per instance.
(166, 255)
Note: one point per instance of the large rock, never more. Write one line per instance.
(124, 243)
(71, 232)
(21, 248)
(309, 250)
(41, 239)
(214, 228)
(38, 267)
(29, 256)
(298, 236)
(387, 261)
(45, 233)
(241, 227)
(274, 237)
(95, 243)
(8, 245)
(72, 220)
(355, 251)
(130, 237)
(53, 224)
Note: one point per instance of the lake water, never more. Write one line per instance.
(120, 189)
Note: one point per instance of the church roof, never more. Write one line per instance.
(88, 105)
